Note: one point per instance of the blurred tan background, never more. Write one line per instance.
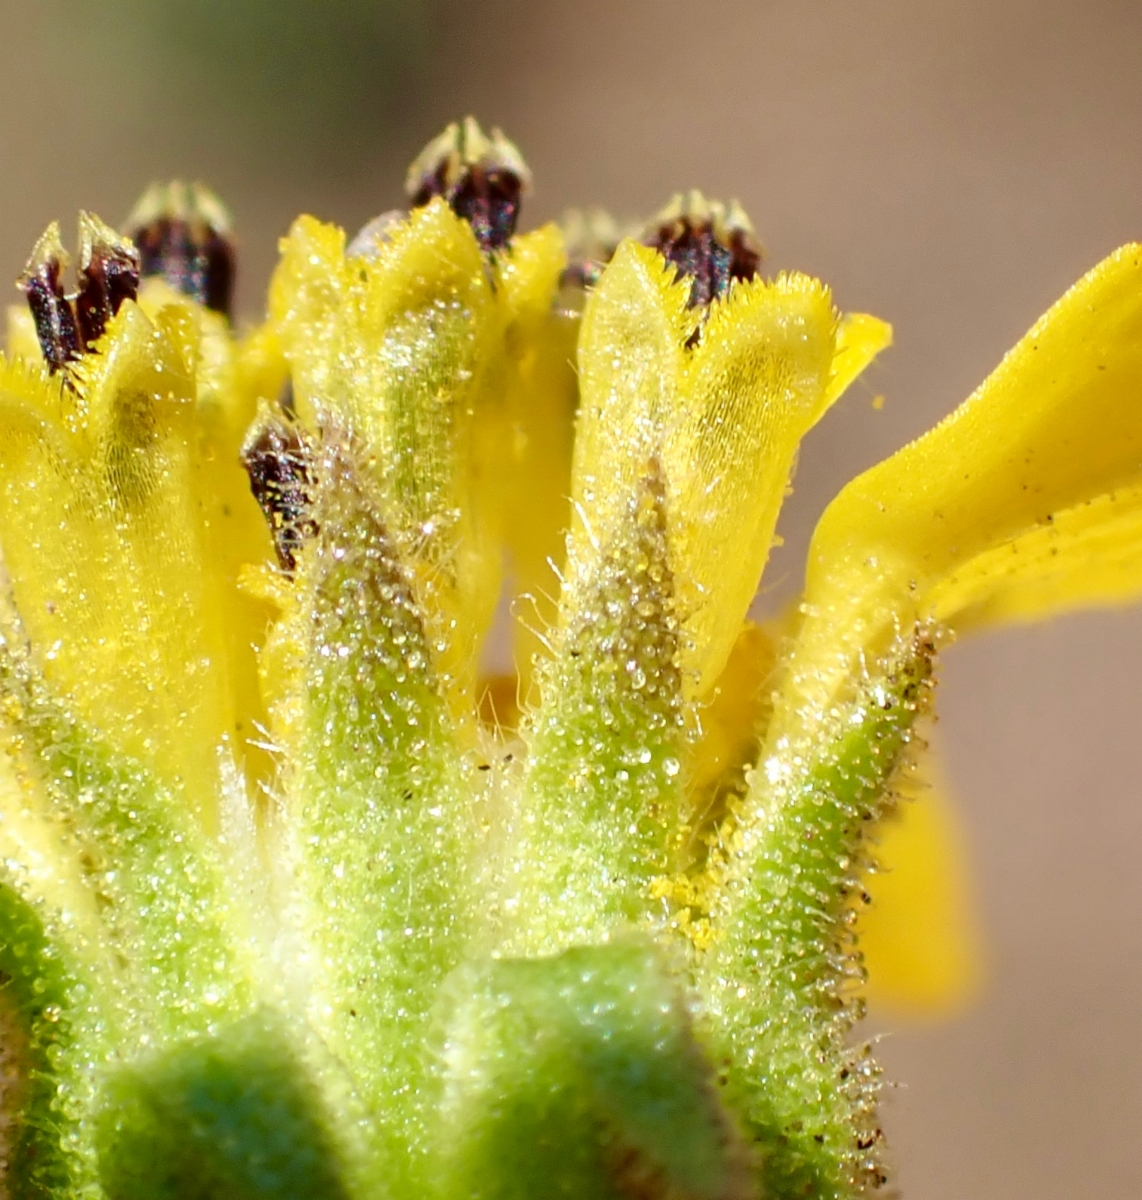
(950, 167)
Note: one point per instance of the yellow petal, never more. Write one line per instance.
(395, 348)
(533, 460)
(22, 340)
(539, 505)
(1058, 424)
(860, 338)
(234, 529)
(523, 432)
(920, 938)
(230, 380)
(752, 389)
(630, 360)
(1089, 555)
(733, 721)
(530, 273)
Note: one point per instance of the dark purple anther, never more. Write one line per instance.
(278, 460)
(56, 326)
(483, 180)
(108, 274)
(182, 232)
(709, 243)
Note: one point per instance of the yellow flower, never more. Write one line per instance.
(690, 413)
(257, 844)
(1008, 508)
(124, 509)
(1023, 504)
(414, 346)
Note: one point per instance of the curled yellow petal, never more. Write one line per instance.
(391, 344)
(754, 386)
(860, 338)
(408, 346)
(395, 347)
(1056, 426)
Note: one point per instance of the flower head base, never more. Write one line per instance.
(283, 914)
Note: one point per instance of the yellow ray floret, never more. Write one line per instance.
(1083, 556)
(404, 345)
(1008, 507)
